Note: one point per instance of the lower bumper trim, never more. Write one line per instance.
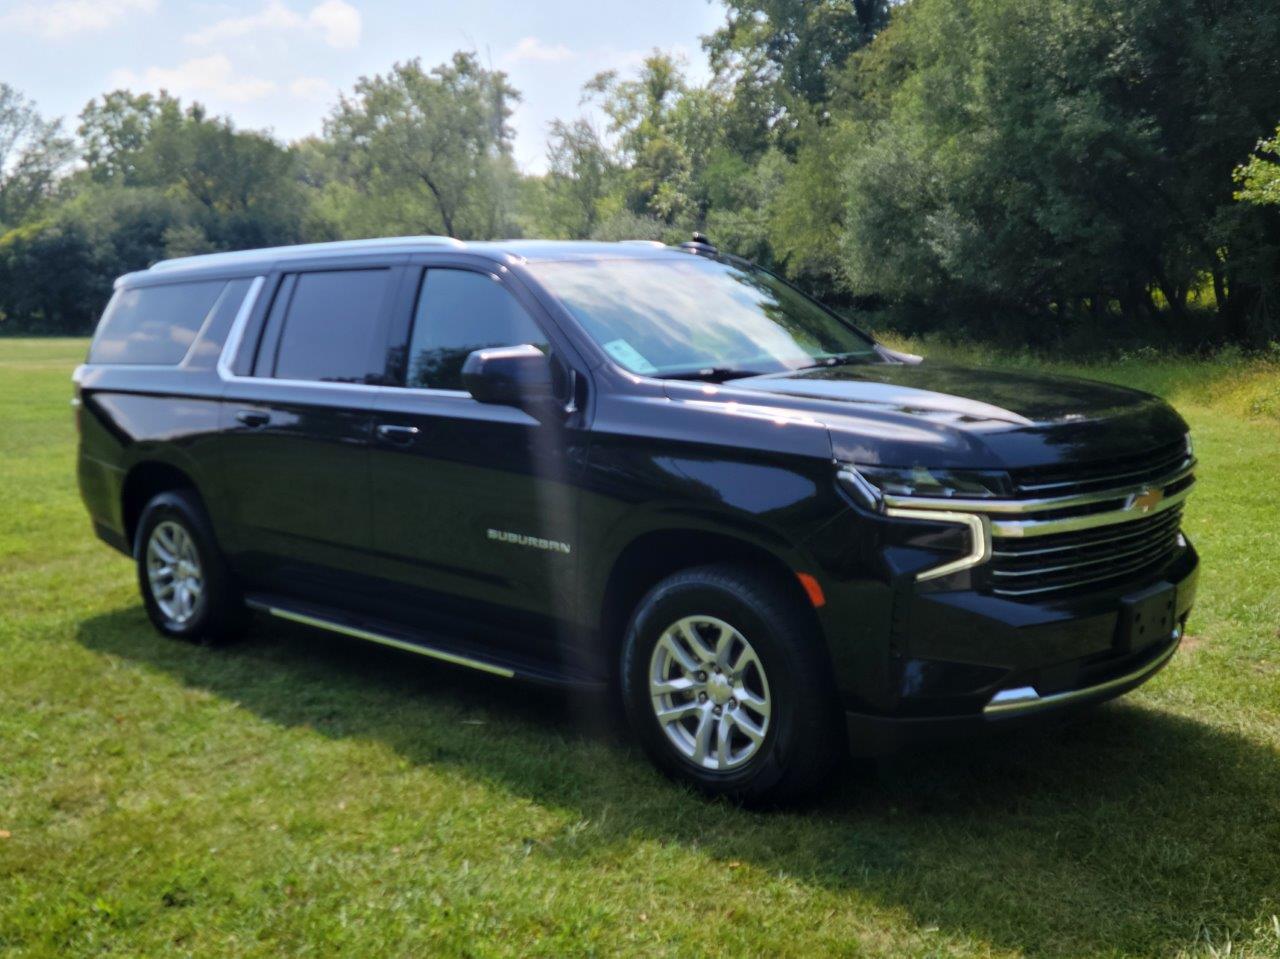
(1025, 700)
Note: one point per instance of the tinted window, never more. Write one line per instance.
(330, 325)
(208, 346)
(458, 312)
(153, 324)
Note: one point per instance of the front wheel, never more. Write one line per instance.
(727, 687)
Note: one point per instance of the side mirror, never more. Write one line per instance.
(510, 376)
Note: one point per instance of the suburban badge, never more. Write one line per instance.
(534, 542)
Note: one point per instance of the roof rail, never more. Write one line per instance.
(275, 252)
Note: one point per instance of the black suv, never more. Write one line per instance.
(657, 472)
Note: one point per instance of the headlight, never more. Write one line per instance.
(866, 481)
(1191, 446)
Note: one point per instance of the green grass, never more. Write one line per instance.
(303, 795)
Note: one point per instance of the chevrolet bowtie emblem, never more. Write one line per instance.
(1147, 500)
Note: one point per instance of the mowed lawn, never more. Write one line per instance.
(301, 794)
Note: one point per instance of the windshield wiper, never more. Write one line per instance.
(840, 359)
(713, 374)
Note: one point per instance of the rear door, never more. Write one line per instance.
(474, 515)
(297, 421)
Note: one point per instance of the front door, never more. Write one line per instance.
(474, 517)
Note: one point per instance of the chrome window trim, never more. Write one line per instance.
(1042, 504)
(979, 539)
(232, 346)
(235, 337)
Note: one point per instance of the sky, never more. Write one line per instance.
(280, 64)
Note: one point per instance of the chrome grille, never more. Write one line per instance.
(1101, 528)
(1092, 557)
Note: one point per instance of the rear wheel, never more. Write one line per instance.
(728, 689)
(186, 587)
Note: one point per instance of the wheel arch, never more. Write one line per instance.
(652, 556)
(145, 480)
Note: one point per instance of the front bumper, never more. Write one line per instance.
(971, 663)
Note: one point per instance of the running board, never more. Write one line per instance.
(391, 641)
(386, 634)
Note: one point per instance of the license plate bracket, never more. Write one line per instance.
(1147, 617)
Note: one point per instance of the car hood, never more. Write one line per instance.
(944, 415)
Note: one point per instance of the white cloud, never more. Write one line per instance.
(336, 21)
(204, 77)
(66, 17)
(274, 16)
(533, 50)
(311, 88)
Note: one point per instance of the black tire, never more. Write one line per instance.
(803, 741)
(219, 615)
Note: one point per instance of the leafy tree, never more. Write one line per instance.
(426, 151)
(1259, 177)
(1026, 163)
(242, 184)
(581, 176)
(783, 53)
(33, 152)
(115, 130)
(49, 279)
(642, 115)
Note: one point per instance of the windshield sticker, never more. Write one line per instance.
(629, 356)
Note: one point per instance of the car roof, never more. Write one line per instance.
(525, 250)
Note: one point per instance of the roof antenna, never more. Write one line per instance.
(698, 243)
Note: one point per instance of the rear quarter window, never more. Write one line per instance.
(154, 324)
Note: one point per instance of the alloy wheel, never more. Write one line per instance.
(174, 572)
(709, 693)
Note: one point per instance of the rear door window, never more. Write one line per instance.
(154, 324)
(460, 311)
(330, 324)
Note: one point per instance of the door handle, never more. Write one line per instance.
(253, 418)
(394, 433)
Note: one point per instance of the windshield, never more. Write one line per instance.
(689, 315)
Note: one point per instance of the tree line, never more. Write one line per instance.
(1069, 174)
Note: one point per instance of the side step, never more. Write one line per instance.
(432, 646)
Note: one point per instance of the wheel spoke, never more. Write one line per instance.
(676, 713)
(745, 659)
(725, 642)
(700, 649)
(670, 687)
(702, 738)
(677, 651)
(749, 729)
(724, 754)
(753, 702)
